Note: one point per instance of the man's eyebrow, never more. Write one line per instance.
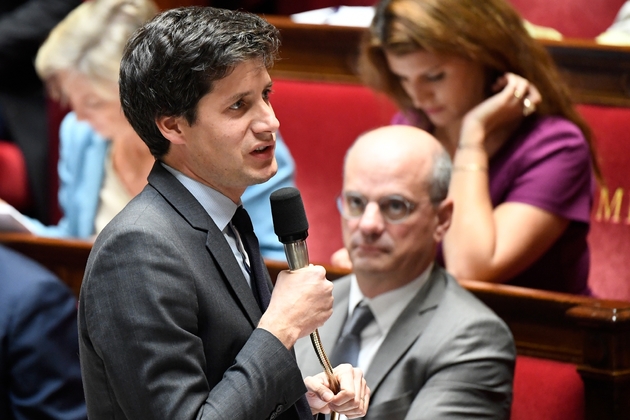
(238, 96)
(241, 95)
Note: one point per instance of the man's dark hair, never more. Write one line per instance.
(174, 59)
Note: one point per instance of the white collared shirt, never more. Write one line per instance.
(386, 308)
(220, 208)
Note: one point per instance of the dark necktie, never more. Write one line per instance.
(258, 279)
(349, 343)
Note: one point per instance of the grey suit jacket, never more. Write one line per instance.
(167, 321)
(447, 356)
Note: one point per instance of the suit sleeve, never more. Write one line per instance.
(471, 376)
(141, 323)
(45, 373)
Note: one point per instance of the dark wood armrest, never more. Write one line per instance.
(65, 257)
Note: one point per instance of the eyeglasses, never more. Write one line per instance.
(394, 208)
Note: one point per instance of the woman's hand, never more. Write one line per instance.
(501, 113)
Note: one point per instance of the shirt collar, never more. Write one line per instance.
(219, 207)
(387, 306)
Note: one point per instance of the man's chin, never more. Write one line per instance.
(368, 261)
(263, 176)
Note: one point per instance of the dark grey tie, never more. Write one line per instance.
(349, 343)
(260, 286)
(258, 279)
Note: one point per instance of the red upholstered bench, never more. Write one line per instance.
(609, 238)
(319, 121)
(547, 390)
(14, 186)
(573, 18)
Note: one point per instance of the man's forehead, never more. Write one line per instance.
(245, 78)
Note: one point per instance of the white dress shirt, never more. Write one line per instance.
(386, 308)
(221, 209)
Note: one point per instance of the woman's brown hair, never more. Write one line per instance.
(490, 32)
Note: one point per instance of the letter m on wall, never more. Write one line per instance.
(609, 208)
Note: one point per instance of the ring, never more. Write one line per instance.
(528, 107)
(517, 94)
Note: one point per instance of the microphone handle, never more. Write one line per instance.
(297, 254)
(297, 257)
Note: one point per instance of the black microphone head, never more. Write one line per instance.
(289, 217)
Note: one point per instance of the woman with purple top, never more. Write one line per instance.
(523, 161)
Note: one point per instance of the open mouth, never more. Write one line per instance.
(261, 149)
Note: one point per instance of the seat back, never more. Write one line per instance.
(319, 121)
(546, 390)
(609, 237)
(14, 186)
(572, 18)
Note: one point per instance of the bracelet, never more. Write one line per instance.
(470, 146)
(471, 167)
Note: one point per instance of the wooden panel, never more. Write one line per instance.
(597, 74)
(66, 258)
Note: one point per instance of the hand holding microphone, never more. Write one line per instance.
(291, 226)
(302, 298)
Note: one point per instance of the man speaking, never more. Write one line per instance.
(177, 319)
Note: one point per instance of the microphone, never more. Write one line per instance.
(291, 226)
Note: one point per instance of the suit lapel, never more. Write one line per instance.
(407, 328)
(191, 210)
(220, 250)
(332, 328)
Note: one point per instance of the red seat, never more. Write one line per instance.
(547, 390)
(319, 121)
(609, 237)
(14, 187)
(574, 18)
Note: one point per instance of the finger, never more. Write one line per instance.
(354, 410)
(500, 83)
(519, 88)
(533, 94)
(316, 386)
(356, 406)
(359, 387)
(349, 380)
(531, 101)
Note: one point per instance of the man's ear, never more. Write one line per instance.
(172, 128)
(444, 215)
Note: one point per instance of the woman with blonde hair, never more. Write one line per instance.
(523, 159)
(103, 162)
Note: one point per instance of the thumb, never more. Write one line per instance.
(318, 388)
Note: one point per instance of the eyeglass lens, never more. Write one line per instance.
(392, 207)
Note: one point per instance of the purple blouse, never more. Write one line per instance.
(546, 163)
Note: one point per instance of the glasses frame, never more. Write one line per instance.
(409, 205)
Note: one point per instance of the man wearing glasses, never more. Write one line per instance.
(429, 349)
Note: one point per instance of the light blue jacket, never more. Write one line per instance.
(81, 169)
